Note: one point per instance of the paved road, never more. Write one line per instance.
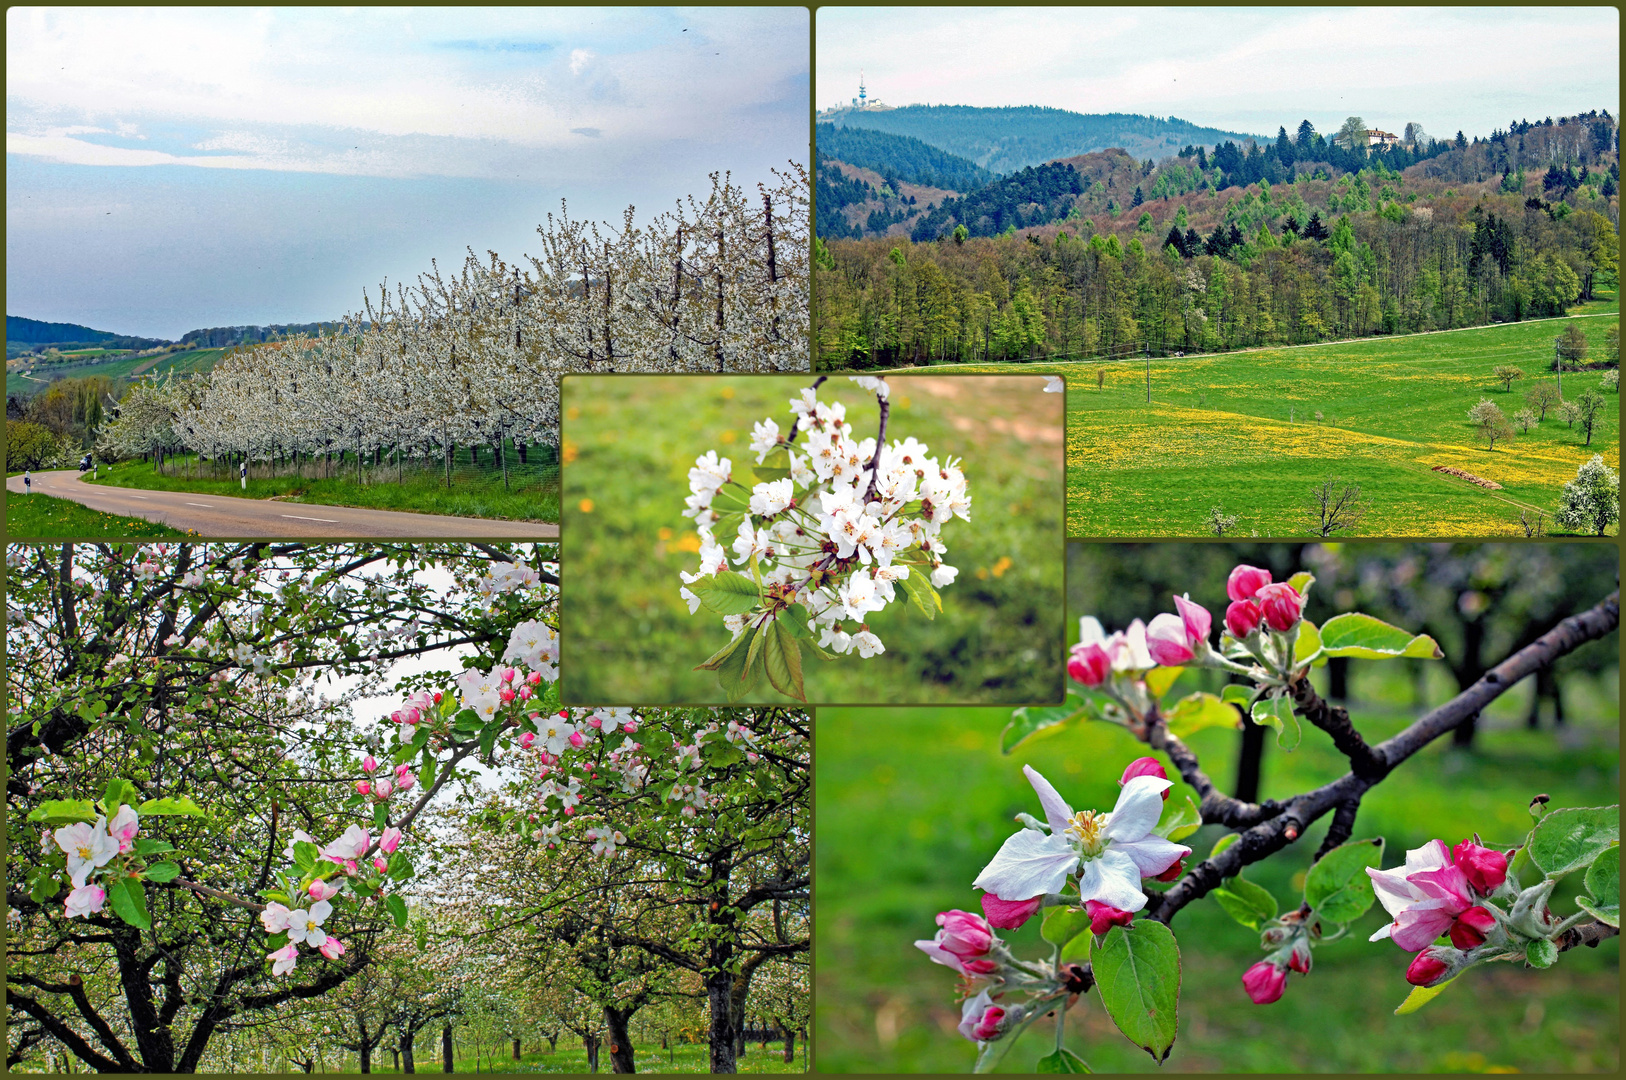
(221, 516)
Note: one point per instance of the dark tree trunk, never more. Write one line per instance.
(790, 1045)
(1468, 673)
(447, 1063)
(516, 1049)
(722, 1022)
(1546, 689)
(591, 1042)
(1248, 759)
(621, 1057)
(408, 1065)
(1338, 678)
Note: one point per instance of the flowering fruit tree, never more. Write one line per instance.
(1107, 885)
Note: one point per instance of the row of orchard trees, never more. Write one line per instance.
(630, 874)
(1259, 278)
(475, 357)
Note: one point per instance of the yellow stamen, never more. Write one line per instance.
(1086, 827)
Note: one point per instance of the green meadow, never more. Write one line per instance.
(1254, 431)
(41, 516)
(912, 802)
(90, 362)
(628, 445)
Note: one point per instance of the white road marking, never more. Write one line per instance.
(143, 498)
(206, 506)
(302, 517)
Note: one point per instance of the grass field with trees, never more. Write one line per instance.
(43, 516)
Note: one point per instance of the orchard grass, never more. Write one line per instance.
(533, 495)
(628, 445)
(911, 804)
(41, 516)
(1240, 429)
(84, 365)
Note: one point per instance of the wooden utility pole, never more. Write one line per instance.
(1148, 347)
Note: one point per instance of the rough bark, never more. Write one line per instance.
(621, 1056)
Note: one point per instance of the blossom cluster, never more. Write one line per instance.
(1087, 860)
(837, 533)
(295, 915)
(89, 849)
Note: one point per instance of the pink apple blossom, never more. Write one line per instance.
(1144, 766)
(1104, 917)
(1427, 968)
(1089, 664)
(390, 840)
(1264, 982)
(1426, 896)
(1245, 581)
(84, 901)
(1009, 914)
(123, 828)
(1485, 868)
(980, 1018)
(332, 948)
(1282, 605)
(284, 959)
(380, 864)
(1167, 641)
(369, 764)
(1243, 618)
(321, 890)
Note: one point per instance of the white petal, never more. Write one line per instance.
(1112, 879)
(1028, 864)
(1386, 930)
(1395, 893)
(1090, 631)
(972, 1011)
(1431, 856)
(1153, 854)
(1140, 804)
(939, 954)
(320, 911)
(1056, 810)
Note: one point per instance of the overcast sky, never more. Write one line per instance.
(1240, 69)
(179, 168)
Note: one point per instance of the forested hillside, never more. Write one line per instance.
(30, 332)
(1007, 139)
(220, 336)
(900, 156)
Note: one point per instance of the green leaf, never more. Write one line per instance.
(400, 867)
(1541, 953)
(129, 901)
(1337, 886)
(277, 940)
(1603, 885)
(727, 593)
(1159, 679)
(1277, 712)
(736, 676)
(64, 812)
(1179, 822)
(147, 846)
(1301, 582)
(1062, 1061)
(1062, 924)
(162, 872)
(397, 908)
(730, 661)
(782, 658)
(1137, 971)
(1420, 996)
(1354, 634)
(795, 620)
(1569, 839)
(718, 657)
(1249, 904)
(1308, 645)
(759, 641)
(922, 593)
(119, 793)
(1030, 720)
(1201, 710)
(305, 854)
(766, 474)
(181, 806)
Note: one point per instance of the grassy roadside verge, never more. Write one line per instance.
(422, 494)
(41, 516)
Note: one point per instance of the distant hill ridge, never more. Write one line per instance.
(1013, 137)
(24, 331)
(903, 156)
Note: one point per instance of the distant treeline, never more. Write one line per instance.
(222, 336)
(900, 157)
(34, 332)
(1284, 265)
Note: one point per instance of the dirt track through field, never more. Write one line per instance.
(221, 516)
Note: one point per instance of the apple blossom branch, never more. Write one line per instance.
(1271, 826)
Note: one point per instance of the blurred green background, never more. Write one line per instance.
(912, 802)
(628, 445)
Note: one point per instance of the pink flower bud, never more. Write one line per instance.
(507, 694)
(1264, 982)
(527, 739)
(984, 1027)
(1243, 618)
(1283, 606)
(363, 787)
(534, 678)
(380, 865)
(630, 726)
(1199, 623)
(1471, 927)
(1485, 868)
(524, 693)
(508, 674)
(1009, 914)
(413, 715)
(390, 840)
(577, 740)
(382, 787)
(1089, 664)
(595, 722)
(321, 890)
(437, 697)
(1427, 969)
(1176, 869)
(1299, 961)
(1245, 581)
(402, 771)
(369, 764)
(751, 756)
(965, 935)
(332, 948)
(1166, 640)
(1144, 766)
(1104, 917)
